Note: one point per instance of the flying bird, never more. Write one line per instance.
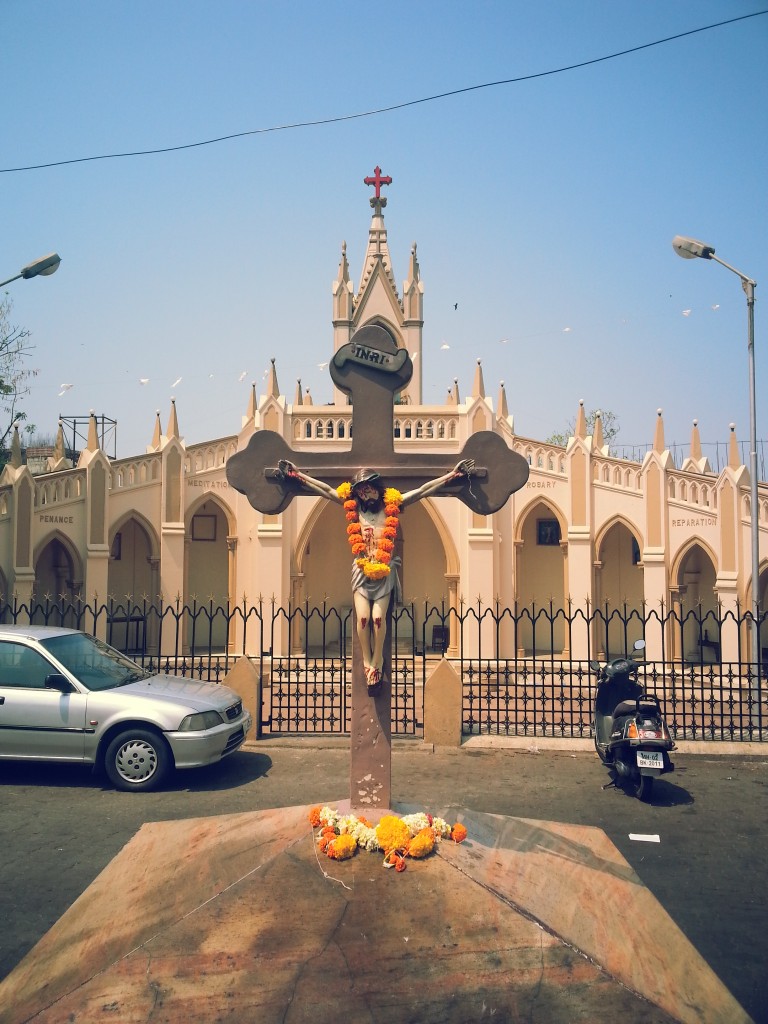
(64, 389)
(176, 382)
(322, 365)
(445, 345)
(455, 305)
(242, 376)
(686, 312)
(143, 380)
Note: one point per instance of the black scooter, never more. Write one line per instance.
(631, 736)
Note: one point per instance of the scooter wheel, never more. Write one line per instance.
(642, 786)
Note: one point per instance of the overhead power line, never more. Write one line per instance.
(381, 110)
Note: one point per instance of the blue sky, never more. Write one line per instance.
(544, 208)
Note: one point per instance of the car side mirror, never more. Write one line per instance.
(57, 681)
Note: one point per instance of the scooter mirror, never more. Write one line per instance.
(639, 645)
(595, 666)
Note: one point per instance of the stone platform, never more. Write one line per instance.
(238, 918)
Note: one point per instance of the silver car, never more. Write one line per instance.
(66, 696)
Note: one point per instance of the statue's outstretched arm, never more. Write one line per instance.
(461, 469)
(291, 472)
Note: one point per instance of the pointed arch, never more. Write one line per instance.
(209, 577)
(389, 325)
(134, 558)
(608, 526)
(59, 575)
(541, 533)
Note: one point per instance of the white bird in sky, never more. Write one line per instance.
(322, 365)
(143, 380)
(242, 376)
(445, 345)
(176, 382)
(64, 389)
(686, 312)
(567, 329)
(716, 306)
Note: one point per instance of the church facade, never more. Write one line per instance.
(588, 530)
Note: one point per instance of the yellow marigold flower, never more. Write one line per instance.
(392, 833)
(422, 844)
(344, 490)
(342, 847)
(392, 496)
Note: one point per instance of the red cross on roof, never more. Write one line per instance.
(377, 181)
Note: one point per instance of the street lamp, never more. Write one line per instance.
(43, 267)
(689, 249)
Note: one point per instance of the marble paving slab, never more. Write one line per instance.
(238, 918)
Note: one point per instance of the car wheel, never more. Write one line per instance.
(137, 759)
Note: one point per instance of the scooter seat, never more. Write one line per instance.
(629, 707)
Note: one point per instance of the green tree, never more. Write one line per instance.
(15, 375)
(609, 420)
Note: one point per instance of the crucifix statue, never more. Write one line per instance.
(372, 370)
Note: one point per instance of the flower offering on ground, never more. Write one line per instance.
(412, 835)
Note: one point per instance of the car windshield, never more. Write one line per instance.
(97, 665)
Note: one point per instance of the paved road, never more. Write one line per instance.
(59, 827)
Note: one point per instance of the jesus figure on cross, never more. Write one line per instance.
(372, 512)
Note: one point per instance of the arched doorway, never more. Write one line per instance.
(541, 580)
(132, 584)
(58, 582)
(132, 554)
(207, 573)
(696, 619)
(619, 591)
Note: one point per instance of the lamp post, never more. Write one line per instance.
(689, 249)
(43, 267)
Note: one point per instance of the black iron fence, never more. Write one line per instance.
(524, 671)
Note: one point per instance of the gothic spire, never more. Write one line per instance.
(734, 459)
(658, 436)
(597, 432)
(173, 422)
(273, 391)
(503, 412)
(580, 430)
(695, 442)
(478, 386)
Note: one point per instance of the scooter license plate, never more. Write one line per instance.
(650, 759)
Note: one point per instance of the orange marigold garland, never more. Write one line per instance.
(412, 835)
(377, 567)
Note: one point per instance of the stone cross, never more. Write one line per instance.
(372, 370)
